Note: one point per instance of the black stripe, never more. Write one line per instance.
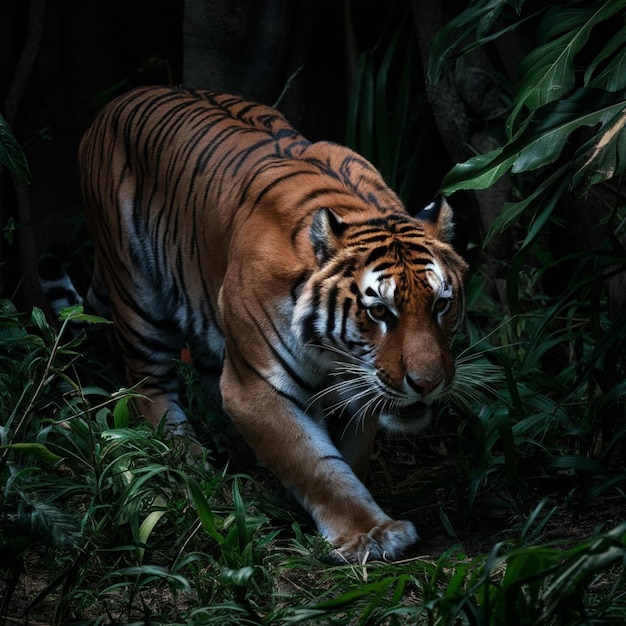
(300, 281)
(347, 305)
(420, 261)
(383, 266)
(376, 254)
(279, 358)
(309, 332)
(331, 305)
(233, 348)
(416, 247)
(269, 187)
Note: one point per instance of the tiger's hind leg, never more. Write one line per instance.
(150, 342)
(101, 340)
(150, 347)
(97, 299)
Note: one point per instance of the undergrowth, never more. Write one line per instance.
(123, 528)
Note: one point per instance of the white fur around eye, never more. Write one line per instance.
(379, 289)
(387, 289)
(437, 280)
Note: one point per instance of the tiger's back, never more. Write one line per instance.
(137, 182)
(216, 224)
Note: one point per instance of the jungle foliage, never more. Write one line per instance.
(128, 531)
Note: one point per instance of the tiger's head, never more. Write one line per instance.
(382, 309)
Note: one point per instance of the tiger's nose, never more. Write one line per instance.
(424, 386)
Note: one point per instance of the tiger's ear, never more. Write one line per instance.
(326, 228)
(438, 219)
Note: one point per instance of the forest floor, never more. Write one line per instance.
(415, 479)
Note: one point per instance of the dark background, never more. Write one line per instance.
(61, 60)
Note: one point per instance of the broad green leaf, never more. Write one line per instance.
(240, 577)
(512, 210)
(578, 463)
(138, 575)
(48, 523)
(75, 313)
(539, 142)
(146, 528)
(547, 73)
(38, 318)
(35, 450)
(613, 75)
(602, 157)
(12, 155)
(562, 19)
(479, 172)
(121, 412)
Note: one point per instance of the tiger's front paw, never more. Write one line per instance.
(386, 542)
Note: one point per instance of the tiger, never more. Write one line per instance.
(218, 226)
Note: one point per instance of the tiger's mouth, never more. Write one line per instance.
(417, 410)
(408, 419)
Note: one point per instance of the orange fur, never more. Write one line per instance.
(217, 225)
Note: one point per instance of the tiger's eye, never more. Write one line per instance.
(441, 305)
(378, 312)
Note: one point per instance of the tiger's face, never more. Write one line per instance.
(382, 310)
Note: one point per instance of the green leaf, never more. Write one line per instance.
(35, 450)
(75, 313)
(613, 75)
(147, 526)
(48, 523)
(512, 210)
(479, 172)
(144, 575)
(243, 536)
(12, 155)
(539, 142)
(204, 510)
(38, 318)
(121, 412)
(480, 17)
(603, 156)
(542, 142)
(349, 597)
(239, 577)
(547, 73)
(563, 18)
(577, 463)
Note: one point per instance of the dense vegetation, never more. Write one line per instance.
(519, 485)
